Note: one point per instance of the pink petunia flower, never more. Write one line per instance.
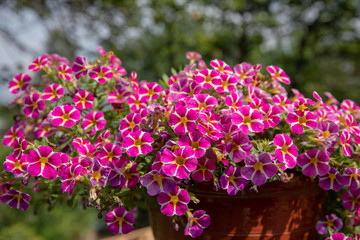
(130, 176)
(238, 147)
(286, 151)
(118, 96)
(179, 163)
(101, 74)
(197, 141)
(183, 120)
(19, 82)
(77, 142)
(202, 102)
(83, 100)
(131, 123)
(11, 135)
(298, 121)
(258, 168)
(350, 178)
(137, 143)
(175, 202)
(346, 143)
(232, 180)
(208, 78)
(197, 223)
(228, 83)
(245, 72)
(16, 165)
(271, 114)
(16, 199)
(248, 120)
(53, 92)
(43, 162)
(193, 56)
(204, 170)
(65, 116)
(221, 66)
(338, 236)
(282, 103)
(38, 63)
(65, 72)
(79, 67)
(314, 162)
(95, 121)
(152, 90)
(20, 146)
(331, 180)
(156, 183)
(109, 152)
(33, 105)
(137, 102)
(98, 174)
(278, 74)
(351, 199)
(233, 101)
(69, 177)
(120, 221)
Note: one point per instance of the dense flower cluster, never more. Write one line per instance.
(90, 130)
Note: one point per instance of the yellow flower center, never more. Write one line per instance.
(202, 106)
(174, 199)
(158, 178)
(179, 160)
(258, 166)
(225, 84)
(243, 76)
(195, 145)
(183, 120)
(34, 105)
(326, 134)
(96, 175)
(208, 79)
(17, 165)
(132, 124)
(151, 92)
(285, 148)
(329, 222)
(43, 161)
(66, 116)
(247, 120)
(302, 120)
(101, 75)
(332, 177)
(314, 160)
(120, 220)
(138, 143)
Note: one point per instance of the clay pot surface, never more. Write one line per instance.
(278, 211)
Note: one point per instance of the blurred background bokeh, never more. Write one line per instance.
(315, 42)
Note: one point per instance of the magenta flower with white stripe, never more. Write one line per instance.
(38, 63)
(137, 102)
(15, 164)
(10, 136)
(179, 163)
(152, 90)
(156, 183)
(65, 72)
(202, 102)
(83, 100)
(208, 78)
(221, 66)
(183, 120)
(70, 176)
(43, 162)
(33, 105)
(120, 221)
(233, 101)
(131, 123)
(346, 143)
(351, 178)
(245, 72)
(351, 199)
(286, 151)
(101, 74)
(278, 74)
(175, 202)
(298, 121)
(65, 116)
(232, 181)
(137, 143)
(248, 120)
(197, 141)
(19, 82)
(271, 114)
(258, 168)
(314, 162)
(238, 147)
(109, 152)
(331, 180)
(118, 96)
(53, 92)
(16, 199)
(79, 67)
(204, 170)
(227, 84)
(197, 223)
(94, 121)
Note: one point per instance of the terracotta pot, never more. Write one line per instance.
(278, 211)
